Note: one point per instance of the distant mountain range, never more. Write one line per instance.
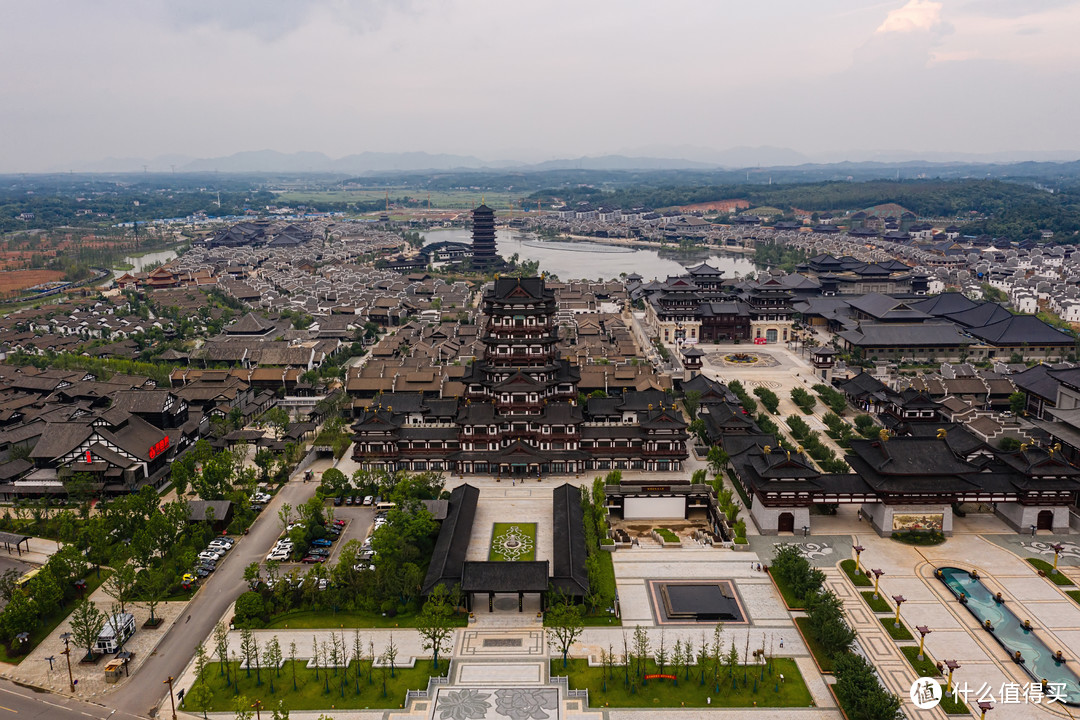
(681, 157)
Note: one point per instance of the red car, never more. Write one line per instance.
(313, 559)
(339, 523)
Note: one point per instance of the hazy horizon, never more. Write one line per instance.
(504, 82)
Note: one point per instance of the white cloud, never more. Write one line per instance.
(917, 15)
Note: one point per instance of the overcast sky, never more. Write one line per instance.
(499, 79)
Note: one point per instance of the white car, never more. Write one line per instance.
(277, 556)
(208, 555)
(219, 547)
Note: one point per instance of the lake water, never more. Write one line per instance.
(142, 261)
(572, 260)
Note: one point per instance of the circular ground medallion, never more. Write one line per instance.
(512, 544)
(743, 359)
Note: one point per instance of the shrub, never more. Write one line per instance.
(769, 400)
(804, 400)
(865, 425)
(249, 606)
(799, 428)
(831, 397)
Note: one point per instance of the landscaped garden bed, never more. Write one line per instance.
(860, 580)
(740, 686)
(1047, 570)
(896, 633)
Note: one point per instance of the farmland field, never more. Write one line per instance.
(14, 280)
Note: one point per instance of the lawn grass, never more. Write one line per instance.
(860, 580)
(667, 536)
(918, 537)
(824, 661)
(316, 619)
(1048, 570)
(896, 633)
(760, 687)
(311, 693)
(786, 592)
(926, 668)
(878, 605)
(528, 533)
(49, 623)
(1074, 594)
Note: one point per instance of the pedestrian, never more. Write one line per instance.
(708, 700)
(781, 642)
(752, 565)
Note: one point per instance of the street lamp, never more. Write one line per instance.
(257, 705)
(953, 666)
(172, 703)
(983, 707)
(877, 578)
(1057, 548)
(923, 632)
(66, 637)
(899, 600)
(858, 551)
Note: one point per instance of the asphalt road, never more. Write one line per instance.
(28, 704)
(142, 694)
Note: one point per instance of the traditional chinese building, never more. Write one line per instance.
(519, 413)
(483, 238)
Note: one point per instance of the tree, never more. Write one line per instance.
(120, 586)
(565, 623)
(661, 653)
(769, 400)
(292, 661)
(390, 653)
(252, 575)
(221, 647)
(154, 587)
(860, 693)
(718, 459)
(272, 655)
(87, 622)
(434, 623)
(691, 401)
(285, 516)
(642, 645)
(279, 419)
(21, 615)
(243, 708)
(247, 649)
(200, 696)
(1017, 403)
(335, 481)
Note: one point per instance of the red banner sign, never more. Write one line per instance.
(661, 677)
(159, 447)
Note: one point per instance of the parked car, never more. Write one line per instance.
(310, 559)
(257, 507)
(322, 542)
(277, 556)
(368, 499)
(348, 500)
(201, 572)
(337, 501)
(209, 555)
(319, 552)
(339, 523)
(323, 583)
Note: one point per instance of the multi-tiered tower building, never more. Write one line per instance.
(521, 384)
(483, 238)
(520, 413)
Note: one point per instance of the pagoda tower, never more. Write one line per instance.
(529, 392)
(483, 237)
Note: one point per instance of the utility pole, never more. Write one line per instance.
(172, 703)
(66, 637)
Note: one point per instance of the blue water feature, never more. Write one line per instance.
(1009, 631)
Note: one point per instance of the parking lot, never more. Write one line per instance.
(358, 524)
